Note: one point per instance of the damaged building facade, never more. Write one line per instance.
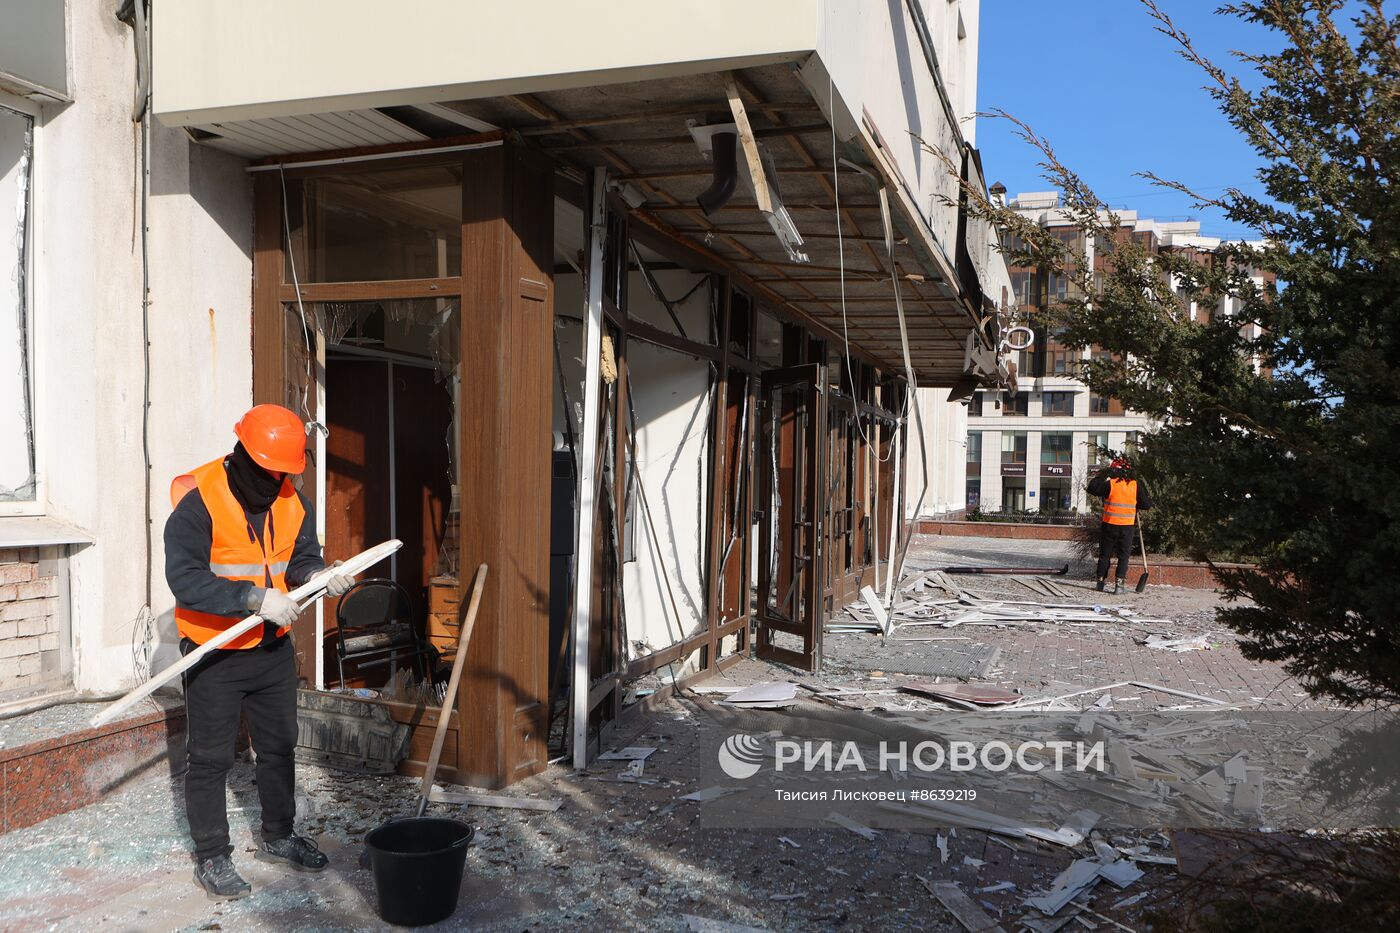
(631, 308)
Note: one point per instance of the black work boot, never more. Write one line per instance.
(220, 880)
(298, 852)
(1117, 587)
(1101, 583)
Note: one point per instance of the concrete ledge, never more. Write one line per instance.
(1184, 573)
(1165, 571)
(65, 772)
(1026, 531)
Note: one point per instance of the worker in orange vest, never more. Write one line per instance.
(240, 537)
(1124, 495)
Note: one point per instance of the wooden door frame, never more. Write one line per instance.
(809, 451)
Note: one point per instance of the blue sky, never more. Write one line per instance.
(1113, 98)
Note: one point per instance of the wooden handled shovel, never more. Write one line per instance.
(478, 584)
(1142, 580)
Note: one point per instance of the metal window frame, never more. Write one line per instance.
(33, 226)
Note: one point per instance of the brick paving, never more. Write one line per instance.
(634, 856)
(1044, 659)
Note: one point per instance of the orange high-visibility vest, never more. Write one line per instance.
(1120, 508)
(235, 552)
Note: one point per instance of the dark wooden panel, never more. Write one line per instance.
(268, 362)
(505, 441)
(373, 291)
(423, 484)
(357, 481)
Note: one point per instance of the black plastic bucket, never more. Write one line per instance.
(418, 866)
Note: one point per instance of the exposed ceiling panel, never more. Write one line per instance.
(640, 132)
(310, 133)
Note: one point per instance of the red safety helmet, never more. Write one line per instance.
(1121, 463)
(274, 437)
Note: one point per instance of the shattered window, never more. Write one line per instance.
(675, 301)
(374, 225)
(16, 384)
(423, 328)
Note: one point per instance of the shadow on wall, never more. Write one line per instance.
(217, 181)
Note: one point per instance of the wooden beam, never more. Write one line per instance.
(269, 337)
(677, 139)
(640, 116)
(506, 412)
(374, 291)
(762, 196)
(705, 171)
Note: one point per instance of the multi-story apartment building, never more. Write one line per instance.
(1036, 451)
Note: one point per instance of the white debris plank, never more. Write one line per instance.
(845, 822)
(972, 818)
(964, 910)
(771, 692)
(1081, 874)
(631, 753)
(873, 601)
(1249, 794)
(1122, 761)
(549, 805)
(710, 793)
(705, 925)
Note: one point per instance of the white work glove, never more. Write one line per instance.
(278, 608)
(338, 584)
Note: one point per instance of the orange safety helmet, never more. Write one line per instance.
(274, 437)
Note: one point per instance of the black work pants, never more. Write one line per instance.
(261, 682)
(1116, 540)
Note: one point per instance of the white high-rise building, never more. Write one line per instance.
(1037, 451)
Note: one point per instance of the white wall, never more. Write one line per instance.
(672, 399)
(218, 61)
(945, 452)
(872, 54)
(664, 584)
(88, 331)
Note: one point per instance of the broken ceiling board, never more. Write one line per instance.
(1249, 793)
(441, 795)
(312, 133)
(964, 910)
(873, 601)
(845, 822)
(710, 793)
(704, 925)
(631, 753)
(771, 692)
(980, 694)
(1120, 872)
(1080, 875)
(1235, 769)
(1121, 761)
(973, 818)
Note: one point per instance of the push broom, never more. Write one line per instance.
(1142, 580)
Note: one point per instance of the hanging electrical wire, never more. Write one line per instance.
(143, 628)
(841, 266)
(306, 331)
